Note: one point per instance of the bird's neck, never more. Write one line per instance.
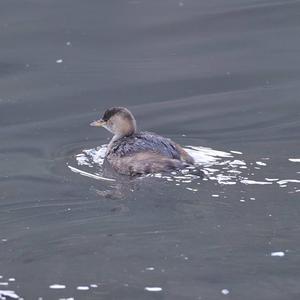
(127, 129)
(114, 138)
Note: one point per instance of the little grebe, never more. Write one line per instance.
(132, 153)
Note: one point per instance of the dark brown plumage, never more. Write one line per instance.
(132, 153)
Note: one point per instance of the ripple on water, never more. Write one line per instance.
(8, 293)
(225, 168)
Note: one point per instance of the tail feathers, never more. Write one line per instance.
(184, 156)
(145, 162)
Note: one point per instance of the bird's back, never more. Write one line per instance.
(144, 142)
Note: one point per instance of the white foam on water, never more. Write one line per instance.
(75, 170)
(228, 182)
(206, 156)
(219, 166)
(271, 179)
(153, 288)
(234, 171)
(191, 189)
(8, 293)
(92, 156)
(260, 163)
(236, 163)
(247, 181)
(59, 61)
(294, 159)
(278, 253)
(83, 288)
(57, 286)
(225, 292)
(236, 152)
(82, 160)
(284, 181)
(3, 283)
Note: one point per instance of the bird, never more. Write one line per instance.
(132, 153)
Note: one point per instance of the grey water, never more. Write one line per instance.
(221, 75)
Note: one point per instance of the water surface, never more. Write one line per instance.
(220, 76)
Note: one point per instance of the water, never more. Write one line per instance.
(219, 77)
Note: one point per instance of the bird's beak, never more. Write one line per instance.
(98, 123)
